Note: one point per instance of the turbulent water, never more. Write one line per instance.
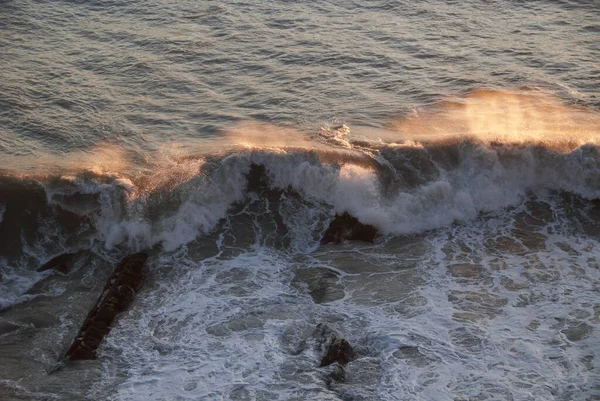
(467, 133)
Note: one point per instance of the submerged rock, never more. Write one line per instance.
(348, 227)
(465, 270)
(322, 284)
(336, 375)
(578, 332)
(7, 327)
(61, 263)
(116, 297)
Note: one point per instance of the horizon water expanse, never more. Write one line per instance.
(223, 139)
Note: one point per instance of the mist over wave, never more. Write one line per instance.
(425, 181)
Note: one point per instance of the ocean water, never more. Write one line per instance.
(467, 133)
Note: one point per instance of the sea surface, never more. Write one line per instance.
(467, 132)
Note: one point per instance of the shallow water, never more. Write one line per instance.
(466, 133)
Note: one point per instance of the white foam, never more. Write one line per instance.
(201, 335)
(235, 327)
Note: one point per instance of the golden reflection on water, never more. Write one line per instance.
(502, 116)
(493, 116)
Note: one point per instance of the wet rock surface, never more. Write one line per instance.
(347, 227)
(117, 295)
(339, 351)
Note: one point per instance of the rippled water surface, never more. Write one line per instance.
(467, 133)
(141, 74)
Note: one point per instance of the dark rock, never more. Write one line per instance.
(348, 227)
(334, 347)
(339, 351)
(61, 263)
(116, 297)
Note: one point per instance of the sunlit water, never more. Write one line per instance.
(466, 132)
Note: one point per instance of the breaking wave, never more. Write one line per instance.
(400, 188)
(441, 164)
